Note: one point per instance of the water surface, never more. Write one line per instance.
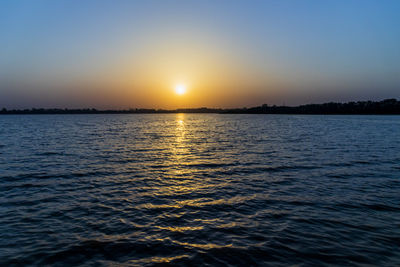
(199, 189)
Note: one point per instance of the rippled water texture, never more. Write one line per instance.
(199, 189)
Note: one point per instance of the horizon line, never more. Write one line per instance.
(386, 106)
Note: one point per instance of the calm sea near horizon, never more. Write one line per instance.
(199, 189)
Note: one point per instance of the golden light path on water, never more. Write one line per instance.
(182, 181)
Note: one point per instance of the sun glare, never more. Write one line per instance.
(180, 89)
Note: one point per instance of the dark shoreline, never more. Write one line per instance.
(384, 107)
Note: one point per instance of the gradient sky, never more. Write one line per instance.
(121, 54)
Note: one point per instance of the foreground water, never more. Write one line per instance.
(199, 189)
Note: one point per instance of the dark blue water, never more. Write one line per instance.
(199, 190)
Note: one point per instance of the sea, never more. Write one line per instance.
(199, 190)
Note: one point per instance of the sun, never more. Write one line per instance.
(180, 89)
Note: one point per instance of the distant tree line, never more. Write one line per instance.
(387, 106)
(108, 111)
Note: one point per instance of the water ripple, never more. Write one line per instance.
(200, 189)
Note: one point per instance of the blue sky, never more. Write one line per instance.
(233, 53)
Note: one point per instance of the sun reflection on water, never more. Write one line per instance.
(180, 149)
(184, 156)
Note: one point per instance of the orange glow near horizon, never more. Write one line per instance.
(166, 74)
(170, 74)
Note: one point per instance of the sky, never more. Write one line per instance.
(237, 53)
